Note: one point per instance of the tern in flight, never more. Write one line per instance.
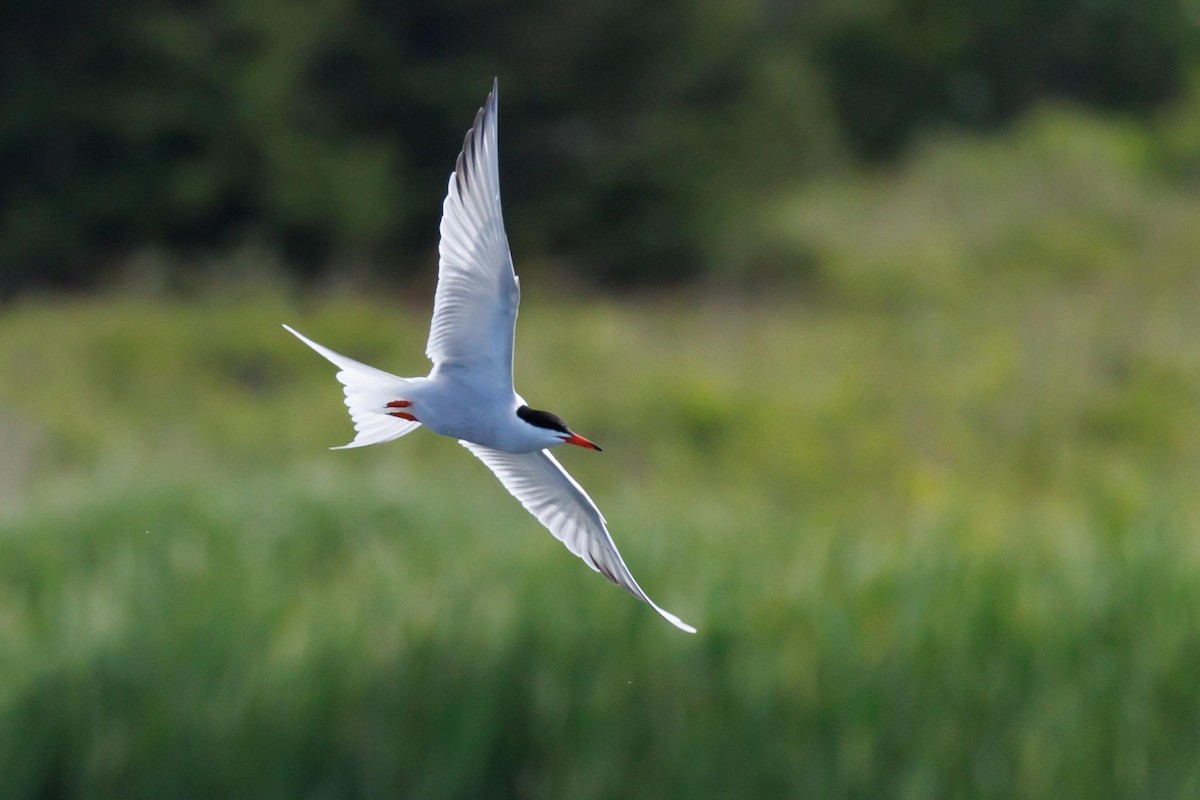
(469, 393)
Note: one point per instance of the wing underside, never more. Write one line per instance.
(545, 489)
(475, 307)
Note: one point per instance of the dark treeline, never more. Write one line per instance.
(638, 139)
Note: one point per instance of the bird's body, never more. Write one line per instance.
(469, 395)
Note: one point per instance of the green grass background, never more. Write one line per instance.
(931, 503)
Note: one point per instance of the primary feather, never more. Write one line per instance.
(475, 307)
(548, 492)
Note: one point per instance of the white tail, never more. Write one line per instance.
(368, 391)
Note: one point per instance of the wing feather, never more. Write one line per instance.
(545, 489)
(475, 306)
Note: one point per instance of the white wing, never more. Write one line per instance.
(561, 504)
(475, 307)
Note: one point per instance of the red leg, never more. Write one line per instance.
(399, 404)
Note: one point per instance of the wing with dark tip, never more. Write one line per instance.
(475, 307)
(561, 504)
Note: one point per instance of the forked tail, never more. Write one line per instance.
(368, 393)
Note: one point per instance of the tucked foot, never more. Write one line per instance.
(401, 414)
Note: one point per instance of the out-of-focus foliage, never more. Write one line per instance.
(327, 129)
(937, 523)
(896, 65)
(638, 140)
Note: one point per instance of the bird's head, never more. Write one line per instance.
(553, 429)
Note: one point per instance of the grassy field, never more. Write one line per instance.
(933, 510)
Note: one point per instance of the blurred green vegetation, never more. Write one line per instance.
(639, 141)
(932, 507)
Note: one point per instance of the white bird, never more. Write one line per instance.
(469, 392)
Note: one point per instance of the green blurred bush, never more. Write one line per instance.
(640, 141)
(937, 523)
(897, 65)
